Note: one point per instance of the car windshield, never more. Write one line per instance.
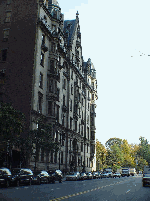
(146, 175)
(37, 172)
(15, 171)
(5, 172)
(71, 173)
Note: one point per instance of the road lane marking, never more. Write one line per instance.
(87, 191)
(128, 191)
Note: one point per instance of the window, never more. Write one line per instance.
(41, 80)
(51, 86)
(43, 39)
(72, 74)
(81, 146)
(42, 155)
(53, 47)
(5, 34)
(82, 101)
(75, 125)
(64, 84)
(42, 59)
(51, 157)
(63, 100)
(8, 16)
(62, 157)
(53, 27)
(55, 157)
(50, 108)
(79, 128)
(40, 97)
(88, 132)
(71, 105)
(57, 116)
(70, 123)
(52, 64)
(58, 90)
(46, 3)
(87, 147)
(92, 96)
(82, 130)
(45, 18)
(3, 55)
(71, 89)
(8, 2)
(63, 120)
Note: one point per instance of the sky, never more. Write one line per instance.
(116, 36)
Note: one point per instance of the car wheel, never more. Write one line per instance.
(39, 181)
(30, 182)
(60, 181)
(17, 183)
(7, 184)
(143, 184)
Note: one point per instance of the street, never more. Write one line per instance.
(106, 189)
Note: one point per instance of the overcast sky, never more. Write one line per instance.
(116, 36)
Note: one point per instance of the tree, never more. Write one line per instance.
(41, 139)
(128, 159)
(113, 141)
(144, 149)
(11, 127)
(100, 154)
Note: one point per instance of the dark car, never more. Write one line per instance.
(89, 175)
(146, 179)
(21, 176)
(40, 177)
(83, 176)
(5, 177)
(55, 175)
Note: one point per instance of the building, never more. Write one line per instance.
(43, 74)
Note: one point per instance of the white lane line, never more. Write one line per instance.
(128, 191)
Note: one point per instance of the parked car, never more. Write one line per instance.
(110, 174)
(5, 177)
(73, 176)
(146, 179)
(95, 175)
(40, 177)
(21, 176)
(104, 175)
(116, 174)
(99, 175)
(89, 175)
(55, 175)
(83, 176)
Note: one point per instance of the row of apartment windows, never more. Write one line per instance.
(54, 157)
(3, 55)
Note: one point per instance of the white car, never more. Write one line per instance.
(104, 175)
(110, 174)
(73, 176)
(116, 174)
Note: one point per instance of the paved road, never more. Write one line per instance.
(106, 189)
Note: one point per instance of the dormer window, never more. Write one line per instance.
(46, 3)
(45, 19)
